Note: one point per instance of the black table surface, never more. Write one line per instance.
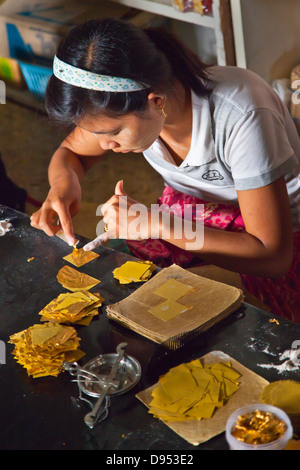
(45, 413)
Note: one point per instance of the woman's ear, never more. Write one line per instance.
(157, 100)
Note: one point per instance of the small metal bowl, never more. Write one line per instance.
(128, 374)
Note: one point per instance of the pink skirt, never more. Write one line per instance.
(281, 295)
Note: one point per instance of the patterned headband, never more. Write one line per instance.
(92, 81)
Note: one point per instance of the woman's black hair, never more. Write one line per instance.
(118, 48)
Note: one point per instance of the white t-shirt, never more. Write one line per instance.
(243, 137)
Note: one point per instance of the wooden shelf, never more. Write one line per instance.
(165, 8)
(219, 21)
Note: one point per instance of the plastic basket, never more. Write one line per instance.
(34, 68)
(36, 78)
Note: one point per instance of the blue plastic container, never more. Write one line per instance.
(35, 69)
(36, 78)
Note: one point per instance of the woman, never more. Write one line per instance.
(219, 136)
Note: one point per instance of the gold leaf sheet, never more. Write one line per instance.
(74, 280)
(79, 257)
(173, 289)
(168, 309)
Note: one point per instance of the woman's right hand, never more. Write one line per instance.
(61, 204)
(67, 168)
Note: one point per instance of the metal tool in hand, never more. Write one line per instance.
(91, 418)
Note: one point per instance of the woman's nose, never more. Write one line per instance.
(109, 145)
(112, 145)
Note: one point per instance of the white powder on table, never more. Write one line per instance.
(291, 361)
(5, 226)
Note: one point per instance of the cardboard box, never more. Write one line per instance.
(32, 29)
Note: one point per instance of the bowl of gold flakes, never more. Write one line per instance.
(258, 427)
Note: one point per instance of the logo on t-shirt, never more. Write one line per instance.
(212, 175)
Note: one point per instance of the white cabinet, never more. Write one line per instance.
(219, 22)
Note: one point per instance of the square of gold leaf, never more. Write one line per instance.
(168, 309)
(79, 257)
(172, 289)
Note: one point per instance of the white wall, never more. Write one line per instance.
(200, 39)
(272, 36)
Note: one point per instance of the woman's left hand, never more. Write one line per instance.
(125, 218)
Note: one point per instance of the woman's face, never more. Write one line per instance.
(129, 133)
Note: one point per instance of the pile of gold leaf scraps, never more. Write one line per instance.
(72, 307)
(134, 271)
(41, 349)
(258, 427)
(193, 391)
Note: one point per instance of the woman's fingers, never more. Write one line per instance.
(114, 201)
(67, 228)
(115, 215)
(34, 219)
(46, 219)
(103, 238)
(109, 233)
(119, 189)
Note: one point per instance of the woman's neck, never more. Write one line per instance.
(177, 131)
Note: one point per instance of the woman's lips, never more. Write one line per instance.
(131, 150)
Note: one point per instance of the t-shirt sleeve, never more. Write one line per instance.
(258, 150)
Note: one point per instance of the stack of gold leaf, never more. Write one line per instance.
(193, 391)
(285, 394)
(134, 271)
(41, 349)
(72, 307)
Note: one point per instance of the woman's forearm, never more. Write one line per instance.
(236, 251)
(64, 166)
